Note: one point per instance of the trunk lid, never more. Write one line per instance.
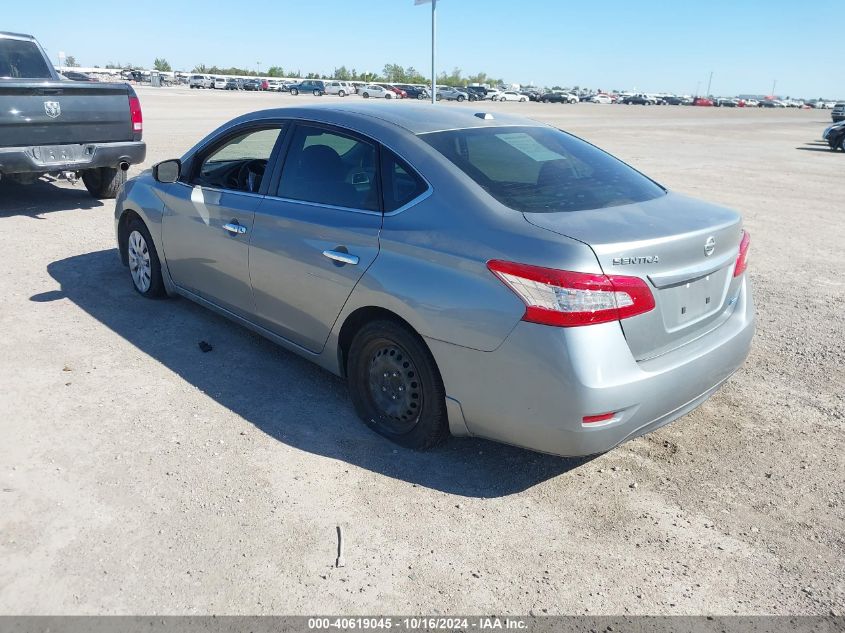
(63, 112)
(682, 248)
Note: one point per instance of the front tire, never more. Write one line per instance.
(144, 264)
(460, 98)
(366, 95)
(341, 93)
(395, 385)
(104, 182)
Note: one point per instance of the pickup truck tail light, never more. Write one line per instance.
(742, 258)
(568, 299)
(136, 116)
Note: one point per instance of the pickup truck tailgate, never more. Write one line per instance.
(63, 112)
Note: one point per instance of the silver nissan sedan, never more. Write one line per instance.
(469, 273)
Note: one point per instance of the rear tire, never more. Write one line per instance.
(104, 182)
(460, 98)
(144, 264)
(341, 93)
(294, 91)
(395, 386)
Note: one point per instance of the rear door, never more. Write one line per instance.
(208, 219)
(317, 232)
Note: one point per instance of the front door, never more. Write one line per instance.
(313, 239)
(208, 219)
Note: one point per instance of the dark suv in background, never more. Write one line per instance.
(317, 88)
(476, 93)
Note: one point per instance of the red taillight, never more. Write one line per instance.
(742, 258)
(135, 115)
(568, 299)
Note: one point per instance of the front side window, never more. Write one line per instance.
(22, 59)
(329, 167)
(542, 170)
(239, 164)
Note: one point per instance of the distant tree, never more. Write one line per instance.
(200, 68)
(70, 61)
(342, 74)
(275, 71)
(162, 65)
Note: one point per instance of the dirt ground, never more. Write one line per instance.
(141, 476)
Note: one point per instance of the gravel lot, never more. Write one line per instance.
(139, 475)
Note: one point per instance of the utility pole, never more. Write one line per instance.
(774, 84)
(709, 81)
(433, 51)
(433, 46)
(259, 67)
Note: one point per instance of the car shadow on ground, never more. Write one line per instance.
(43, 196)
(285, 396)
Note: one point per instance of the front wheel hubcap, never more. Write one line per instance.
(139, 261)
(395, 387)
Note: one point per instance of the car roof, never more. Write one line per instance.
(16, 36)
(417, 118)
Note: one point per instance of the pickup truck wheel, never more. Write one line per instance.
(104, 182)
(144, 265)
(395, 385)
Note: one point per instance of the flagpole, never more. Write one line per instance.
(433, 49)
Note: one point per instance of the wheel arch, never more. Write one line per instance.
(126, 218)
(357, 319)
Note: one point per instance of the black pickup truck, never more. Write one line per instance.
(50, 125)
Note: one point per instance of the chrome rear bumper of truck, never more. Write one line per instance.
(42, 159)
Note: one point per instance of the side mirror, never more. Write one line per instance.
(167, 171)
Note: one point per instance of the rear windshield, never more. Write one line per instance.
(542, 170)
(22, 59)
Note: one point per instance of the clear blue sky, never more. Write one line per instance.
(649, 45)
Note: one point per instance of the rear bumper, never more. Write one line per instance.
(43, 159)
(535, 390)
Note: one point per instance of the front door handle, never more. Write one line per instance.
(234, 228)
(343, 258)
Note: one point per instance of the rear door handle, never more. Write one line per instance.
(343, 258)
(234, 228)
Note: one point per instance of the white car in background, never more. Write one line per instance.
(511, 95)
(493, 94)
(274, 84)
(379, 92)
(601, 98)
(339, 88)
(219, 83)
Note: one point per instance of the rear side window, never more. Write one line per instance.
(329, 167)
(22, 59)
(542, 170)
(399, 182)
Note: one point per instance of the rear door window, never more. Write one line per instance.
(401, 184)
(326, 166)
(22, 59)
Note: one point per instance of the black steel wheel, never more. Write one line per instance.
(395, 385)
